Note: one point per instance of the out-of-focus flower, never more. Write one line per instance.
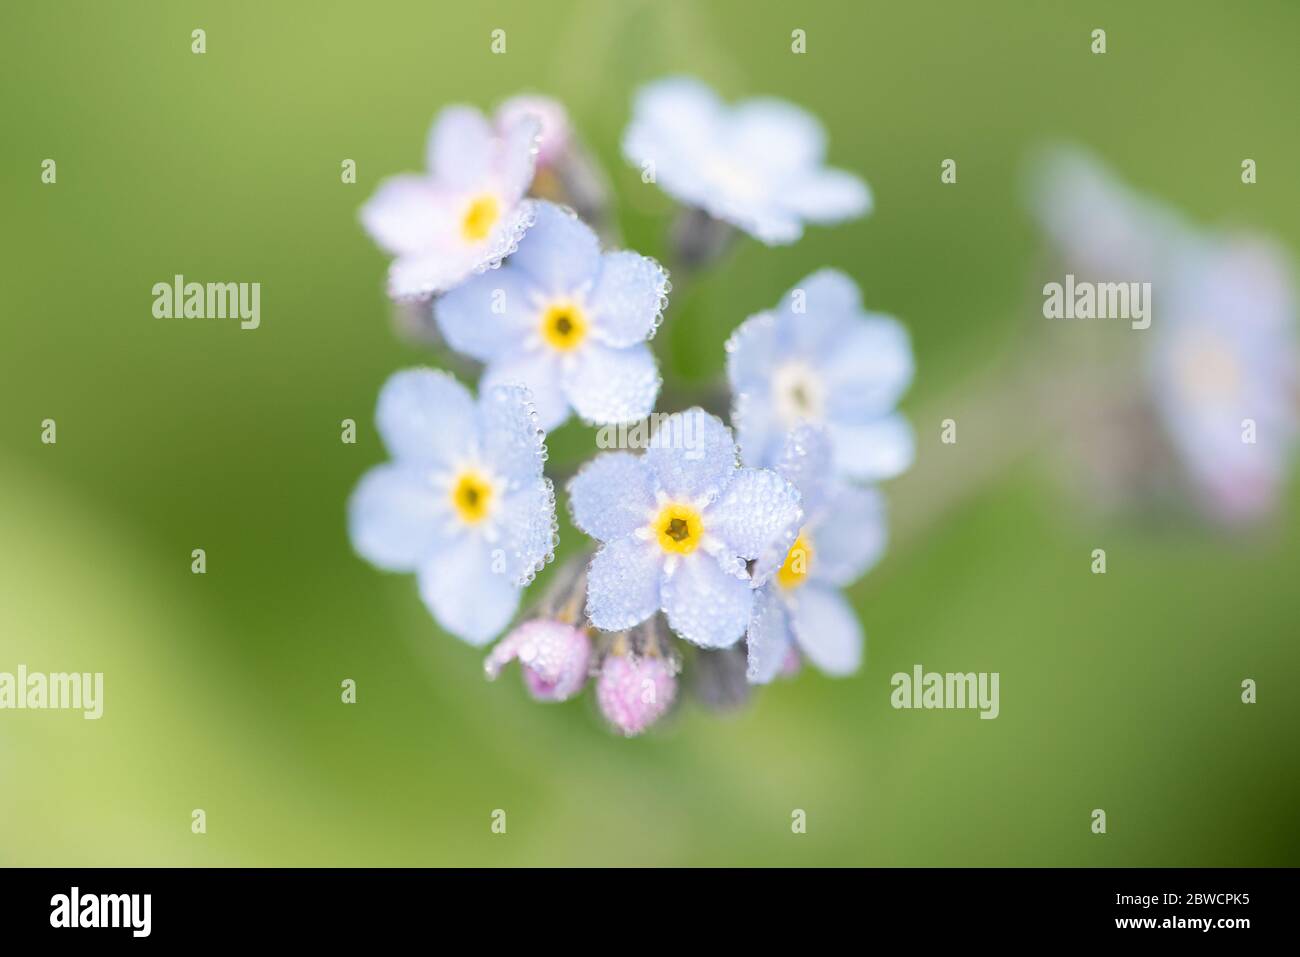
(463, 504)
(843, 535)
(464, 215)
(820, 358)
(679, 525)
(637, 682)
(1225, 373)
(1101, 227)
(1221, 354)
(553, 656)
(759, 165)
(566, 320)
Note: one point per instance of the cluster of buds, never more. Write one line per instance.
(635, 671)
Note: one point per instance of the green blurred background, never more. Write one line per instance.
(222, 690)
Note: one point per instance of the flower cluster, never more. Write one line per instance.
(718, 553)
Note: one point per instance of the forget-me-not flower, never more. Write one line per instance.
(466, 214)
(843, 534)
(679, 526)
(566, 320)
(463, 504)
(820, 358)
(758, 165)
(1226, 374)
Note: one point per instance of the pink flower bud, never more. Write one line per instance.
(553, 656)
(634, 692)
(556, 132)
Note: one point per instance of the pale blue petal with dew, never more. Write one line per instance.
(403, 214)
(706, 605)
(850, 535)
(466, 596)
(692, 455)
(512, 444)
(768, 640)
(490, 315)
(827, 196)
(611, 496)
(537, 370)
(805, 461)
(628, 299)
(757, 518)
(460, 146)
(426, 416)
(526, 530)
(607, 385)
(784, 137)
(867, 369)
(876, 451)
(560, 254)
(826, 629)
(623, 583)
(395, 518)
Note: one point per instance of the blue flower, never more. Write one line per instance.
(820, 358)
(758, 165)
(463, 504)
(566, 320)
(842, 536)
(679, 524)
(467, 214)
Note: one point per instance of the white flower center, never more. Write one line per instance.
(1207, 368)
(798, 393)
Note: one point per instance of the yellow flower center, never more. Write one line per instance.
(480, 217)
(794, 572)
(564, 326)
(679, 529)
(471, 495)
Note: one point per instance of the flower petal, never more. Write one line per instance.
(489, 315)
(828, 196)
(539, 371)
(827, 630)
(628, 300)
(560, 252)
(526, 531)
(706, 605)
(466, 596)
(782, 136)
(768, 638)
(851, 536)
(515, 160)
(395, 518)
(868, 369)
(757, 517)
(607, 385)
(623, 583)
(405, 215)
(878, 450)
(461, 146)
(692, 455)
(511, 442)
(806, 463)
(425, 416)
(611, 496)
